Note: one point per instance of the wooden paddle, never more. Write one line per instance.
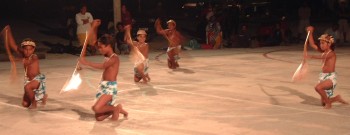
(302, 68)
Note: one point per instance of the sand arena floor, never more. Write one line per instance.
(214, 92)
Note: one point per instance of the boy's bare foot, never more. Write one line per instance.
(169, 64)
(177, 64)
(144, 80)
(44, 99)
(126, 114)
(33, 105)
(148, 78)
(25, 104)
(328, 106)
(115, 115)
(339, 99)
(322, 102)
(122, 111)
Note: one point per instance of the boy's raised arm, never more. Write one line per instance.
(158, 27)
(127, 35)
(11, 41)
(311, 37)
(93, 31)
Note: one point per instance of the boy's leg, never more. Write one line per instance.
(140, 70)
(119, 109)
(102, 109)
(29, 90)
(171, 59)
(176, 53)
(136, 78)
(320, 89)
(148, 78)
(25, 100)
(102, 116)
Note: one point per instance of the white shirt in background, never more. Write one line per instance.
(82, 28)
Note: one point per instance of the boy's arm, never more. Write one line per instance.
(127, 35)
(104, 65)
(158, 27)
(11, 41)
(93, 31)
(331, 54)
(311, 38)
(314, 56)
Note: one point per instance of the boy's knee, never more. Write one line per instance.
(99, 118)
(25, 104)
(136, 79)
(95, 108)
(318, 88)
(27, 88)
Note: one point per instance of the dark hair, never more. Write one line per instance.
(107, 39)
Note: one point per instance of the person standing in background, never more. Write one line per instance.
(304, 13)
(126, 16)
(343, 16)
(83, 20)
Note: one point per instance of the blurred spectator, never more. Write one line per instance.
(269, 35)
(214, 33)
(343, 16)
(286, 32)
(231, 21)
(263, 33)
(244, 39)
(84, 20)
(304, 13)
(276, 37)
(334, 31)
(202, 23)
(126, 16)
(70, 24)
(209, 12)
(122, 46)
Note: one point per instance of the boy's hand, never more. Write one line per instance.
(307, 56)
(127, 27)
(7, 27)
(96, 23)
(310, 28)
(157, 22)
(82, 61)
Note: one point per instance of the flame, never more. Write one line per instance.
(73, 83)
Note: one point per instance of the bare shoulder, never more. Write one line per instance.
(35, 57)
(330, 55)
(115, 58)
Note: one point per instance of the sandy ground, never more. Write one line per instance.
(214, 92)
